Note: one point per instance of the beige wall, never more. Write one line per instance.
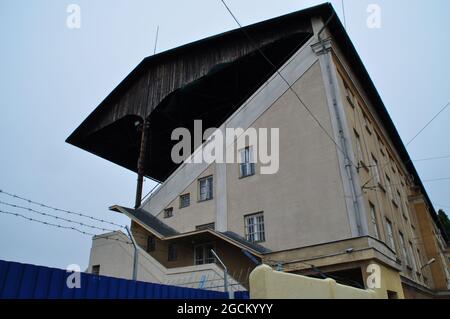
(306, 194)
(198, 213)
(303, 203)
(266, 283)
(115, 258)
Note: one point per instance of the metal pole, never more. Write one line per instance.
(225, 275)
(141, 162)
(136, 254)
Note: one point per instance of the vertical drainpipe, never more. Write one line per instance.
(141, 162)
(323, 49)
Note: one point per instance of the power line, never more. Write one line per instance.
(284, 79)
(396, 184)
(54, 216)
(431, 158)
(59, 226)
(426, 125)
(60, 210)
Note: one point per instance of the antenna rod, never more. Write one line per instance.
(156, 39)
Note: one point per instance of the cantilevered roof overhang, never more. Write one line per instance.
(208, 80)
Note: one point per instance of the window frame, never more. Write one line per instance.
(168, 212)
(390, 234)
(181, 200)
(205, 259)
(257, 230)
(247, 162)
(211, 185)
(374, 219)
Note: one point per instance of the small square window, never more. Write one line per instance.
(205, 226)
(168, 212)
(185, 200)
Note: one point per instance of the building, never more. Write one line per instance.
(346, 194)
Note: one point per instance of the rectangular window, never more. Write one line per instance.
(203, 254)
(168, 212)
(390, 234)
(350, 96)
(185, 200)
(376, 170)
(172, 252)
(373, 218)
(419, 258)
(254, 228)
(404, 251)
(367, 123)
(246, 165)
(359, 149)
(151, 243)
(205, 226)
(411, 254)
(205, 188)
(389, 186)
(96, 270)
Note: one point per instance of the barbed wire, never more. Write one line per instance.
(59, 209)
(61, 226)
(54, 216)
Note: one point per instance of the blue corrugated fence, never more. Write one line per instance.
(26, 281)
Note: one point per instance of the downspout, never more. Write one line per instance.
(350, 170)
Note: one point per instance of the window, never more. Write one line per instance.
(419, 258)
(411, 254)
(390, 234)
(254, 228)
(376, 170)
(203, 254)
(389, 186)
(172, 252)
(350, 96)
(96, 269)
(205, 186)
(246, 165)
(404, 251)
(168, 212)
(206, 226)
(367, 123)
(151, 243)
(359, 149)
(373, 218)
(398, 199)
(185, 200)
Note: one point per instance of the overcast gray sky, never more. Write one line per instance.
(52, 77)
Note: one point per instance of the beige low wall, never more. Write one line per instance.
(115, 258)
(266, 283)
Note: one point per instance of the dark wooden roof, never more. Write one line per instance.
(208, 79)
